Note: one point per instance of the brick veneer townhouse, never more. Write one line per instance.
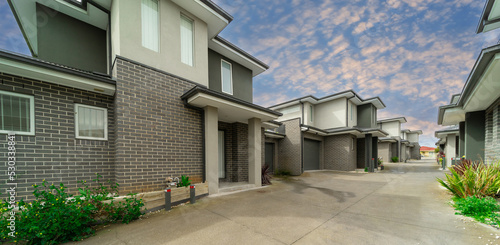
(136, 91)
(475, 112)
(403, 144)
(336, 132)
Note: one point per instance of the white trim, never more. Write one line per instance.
(77, 136)
(238, 54)
(212, 11)
(32, 114)
(222, 76)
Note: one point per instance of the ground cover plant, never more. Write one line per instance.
(56, 216)
(395, 159)
(484, 210)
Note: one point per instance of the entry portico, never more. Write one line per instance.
(223, 109)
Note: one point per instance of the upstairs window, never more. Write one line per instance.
(311, 110)
(227, 77)
(17, 113)
(187, 40)
(91, 122)
(149, 18)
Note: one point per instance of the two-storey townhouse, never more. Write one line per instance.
(136, 91)
(475, 111)
(336, 132)
(393, 145)
(413, 147)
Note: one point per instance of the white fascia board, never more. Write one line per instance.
(56, 77)
(202, 100)
(486, 90)
(273, 136)
(237, 57)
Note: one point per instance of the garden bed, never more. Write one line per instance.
(155, 200)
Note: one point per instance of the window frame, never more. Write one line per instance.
(157, 27)
(32, 114)
(192, 39)
(222, 76)
(77, 136)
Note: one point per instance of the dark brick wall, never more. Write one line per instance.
(53, 153)
(236, 151)
(492, 137)
(339, 152)
(415, 152)
(157, 135)
(290, 148)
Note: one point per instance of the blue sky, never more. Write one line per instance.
(413, 54)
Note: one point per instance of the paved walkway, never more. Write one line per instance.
(400, 205)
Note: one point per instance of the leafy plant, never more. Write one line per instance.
(394, 159)
(266, 175)
(55, 216)
(464, 164)
(481, 209)
(477, 180)
(366, 169)
(184, 181)
(379, 161)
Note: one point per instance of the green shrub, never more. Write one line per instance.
(394, 159)
(481, 209)
(379, 161)
(184, 181)
(55, 216)
(478, 180)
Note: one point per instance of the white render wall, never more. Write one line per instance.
(392, 128)
(331, 114)
(413, 137)
(127, 40)
(290, 115)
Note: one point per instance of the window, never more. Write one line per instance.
(352, 111)
(91, 122)
(187, 40)
(149, 17)
(17, 113)
(311, 109)
(227, 77)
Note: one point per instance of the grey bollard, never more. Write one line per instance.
(168, 199)
(192, 194)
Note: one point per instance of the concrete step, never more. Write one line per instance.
(233, 188)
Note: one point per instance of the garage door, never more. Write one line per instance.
(311, 154)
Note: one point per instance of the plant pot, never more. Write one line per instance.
(381, 167)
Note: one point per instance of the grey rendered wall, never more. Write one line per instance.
(290, 148)
(67, 41)
(242, 77)
(366, 115)
(53, 153)
(475, 135)
(415, 152)
(492, 152)
(384, 151)
(157, 135)
(339, 153)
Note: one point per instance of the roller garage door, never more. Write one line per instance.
(311, 154)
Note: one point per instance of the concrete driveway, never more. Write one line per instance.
(400, 205)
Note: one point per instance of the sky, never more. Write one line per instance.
(413, 54)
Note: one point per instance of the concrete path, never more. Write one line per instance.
(400, 205)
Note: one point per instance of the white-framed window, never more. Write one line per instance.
(311, 111)
(187, 43)
(150, 24)
(17, 113)
(227, 77)
(91, 122)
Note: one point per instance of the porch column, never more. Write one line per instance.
(450, 148)
(254, 151)
(212, 149)
(375, 151)
(368, 152)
